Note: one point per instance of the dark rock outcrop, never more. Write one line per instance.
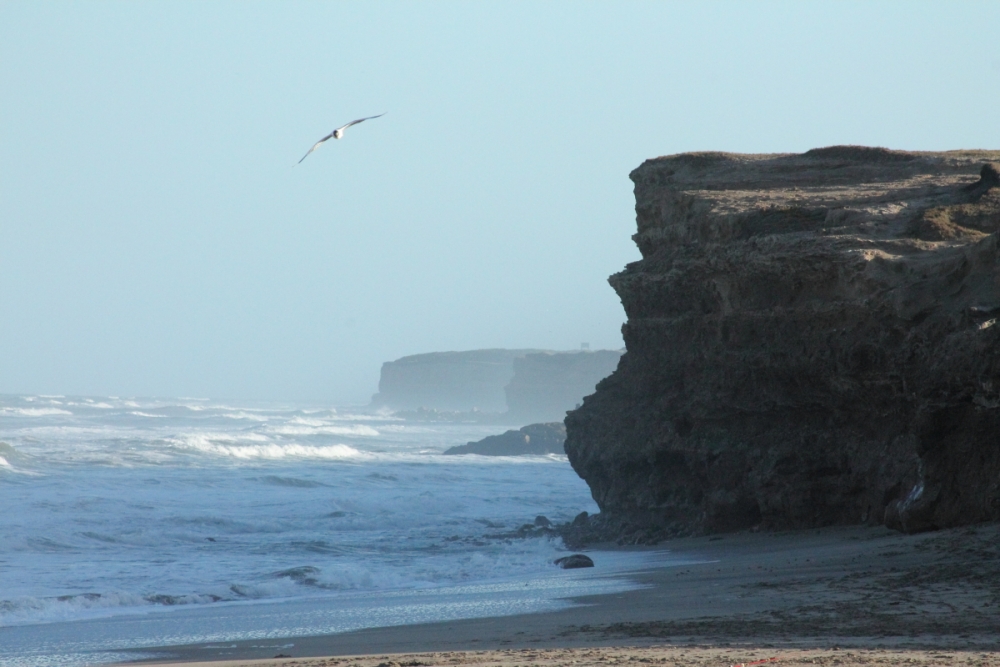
(545, 385)
(811, 340)
(532, 439)
(574, 562)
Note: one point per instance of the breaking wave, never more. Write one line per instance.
(265, 449)
(316, 427)
(497, 563)
(34, 412)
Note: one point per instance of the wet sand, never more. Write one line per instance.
(668, 656)
(844, 596)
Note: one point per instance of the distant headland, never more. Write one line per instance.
(497, 385)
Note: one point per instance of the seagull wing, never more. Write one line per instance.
(342, 127)
(360, 120)
(315, 146)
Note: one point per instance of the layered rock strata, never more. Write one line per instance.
(811, 340)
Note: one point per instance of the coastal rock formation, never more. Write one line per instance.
(811, 340)
(504, 386)
(532, 439)
(546, 385)
(456, 381)
(574, 562)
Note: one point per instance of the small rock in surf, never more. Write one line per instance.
(574, 561)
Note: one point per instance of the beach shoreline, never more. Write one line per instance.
(805, 594)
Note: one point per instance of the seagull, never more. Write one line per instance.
(337, 134)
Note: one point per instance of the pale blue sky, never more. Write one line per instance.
(156, 240)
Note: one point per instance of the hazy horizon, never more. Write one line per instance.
(157, 240)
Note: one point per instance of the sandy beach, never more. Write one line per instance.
(838, 596)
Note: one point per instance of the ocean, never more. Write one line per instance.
(131, 523)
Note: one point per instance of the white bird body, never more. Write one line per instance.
(337, 134)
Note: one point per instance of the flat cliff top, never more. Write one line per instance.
(853, 190)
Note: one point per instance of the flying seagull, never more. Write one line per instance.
(337, 134)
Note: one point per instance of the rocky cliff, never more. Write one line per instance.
(546, 385)
(470, 380)
(512, 386)
(811, 340)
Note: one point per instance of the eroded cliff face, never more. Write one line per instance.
(811, 340)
